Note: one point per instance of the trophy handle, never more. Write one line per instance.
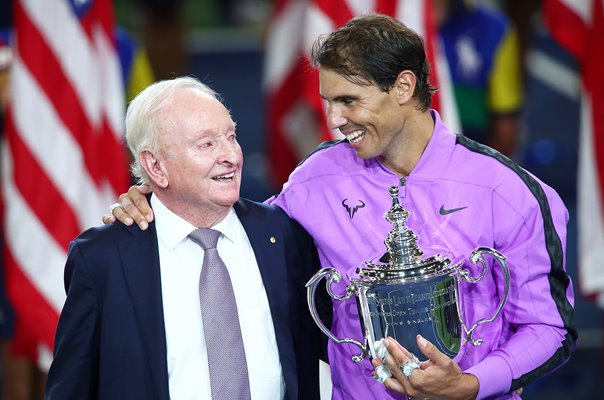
(311, 285)
(477, 255)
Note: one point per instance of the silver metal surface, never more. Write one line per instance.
(409, 295)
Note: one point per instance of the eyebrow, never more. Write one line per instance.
(341, 98)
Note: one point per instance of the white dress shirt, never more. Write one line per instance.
(180, 264)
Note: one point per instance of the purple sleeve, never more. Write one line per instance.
(538, 313)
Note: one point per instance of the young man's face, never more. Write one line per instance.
(368, 117)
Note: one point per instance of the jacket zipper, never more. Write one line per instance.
(402, 194)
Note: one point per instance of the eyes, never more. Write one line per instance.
(345, 101)
(208, 143)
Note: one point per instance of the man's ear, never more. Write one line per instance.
(154, 168)
(405, 86)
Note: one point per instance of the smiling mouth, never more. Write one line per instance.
(224, 178)
(356, 136)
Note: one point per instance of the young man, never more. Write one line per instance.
(460, 194)
(131, 327)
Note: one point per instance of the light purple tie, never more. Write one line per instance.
(226, 354)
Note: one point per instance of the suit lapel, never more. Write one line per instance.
(268, 246)
(140, 265)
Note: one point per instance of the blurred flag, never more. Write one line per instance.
(579, 26)
(296, 119)
(62, 158)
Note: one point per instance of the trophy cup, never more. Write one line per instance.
(408, 295)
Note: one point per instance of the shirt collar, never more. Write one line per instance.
(172, 229)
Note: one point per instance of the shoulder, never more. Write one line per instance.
(252, 209)
(102, 243)
(102, 235)
(255, 212)
(92, 253)
(270, 216)
(329, 145)
(481, 165)
(329, 161)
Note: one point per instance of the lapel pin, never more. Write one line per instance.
(273, 240)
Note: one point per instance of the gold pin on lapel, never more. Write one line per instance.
(273, 240)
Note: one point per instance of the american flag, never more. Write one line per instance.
(579, 27)
(296, 118)
(63, 160)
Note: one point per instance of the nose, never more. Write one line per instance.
(335, 117)
(230, 152)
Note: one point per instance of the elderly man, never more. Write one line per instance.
(461, 195)
(207, 303)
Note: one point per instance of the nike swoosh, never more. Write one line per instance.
(442, 210)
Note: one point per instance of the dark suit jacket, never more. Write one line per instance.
(110, 342)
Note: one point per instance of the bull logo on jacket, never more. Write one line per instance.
(352, 210)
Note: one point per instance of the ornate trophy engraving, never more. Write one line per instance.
(409, 295)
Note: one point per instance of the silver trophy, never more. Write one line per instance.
(406, 295)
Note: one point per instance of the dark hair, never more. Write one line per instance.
(374, 49)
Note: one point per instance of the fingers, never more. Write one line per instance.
(138, 196)
(143, 189)
(133, 207)
(395, 356)
(381, 373)
(395, 347)
(380, 349)
(431, 352)
(108, 219)
(121, 215)
(436, 377)
(402, 362)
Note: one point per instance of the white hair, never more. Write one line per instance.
(142, 131)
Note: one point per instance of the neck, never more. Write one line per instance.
(196, 215)
(404, 155)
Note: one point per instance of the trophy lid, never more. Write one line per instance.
(404, 260)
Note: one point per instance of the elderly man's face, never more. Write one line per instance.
(200, 152)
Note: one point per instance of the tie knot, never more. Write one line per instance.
(206, 238)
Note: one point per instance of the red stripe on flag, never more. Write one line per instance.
(39, 318)
(281, 153)
(578, 25)
(566, 27)
(31, 180)
(431, 36)
(42, 64)
(114, 151)
(594, 83)
(586, 43)
(103, 153)
(337, 10)
(387, 7)
(278, 6)
(103, 11)
(113, 159)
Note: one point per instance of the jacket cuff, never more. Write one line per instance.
(494, 376)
